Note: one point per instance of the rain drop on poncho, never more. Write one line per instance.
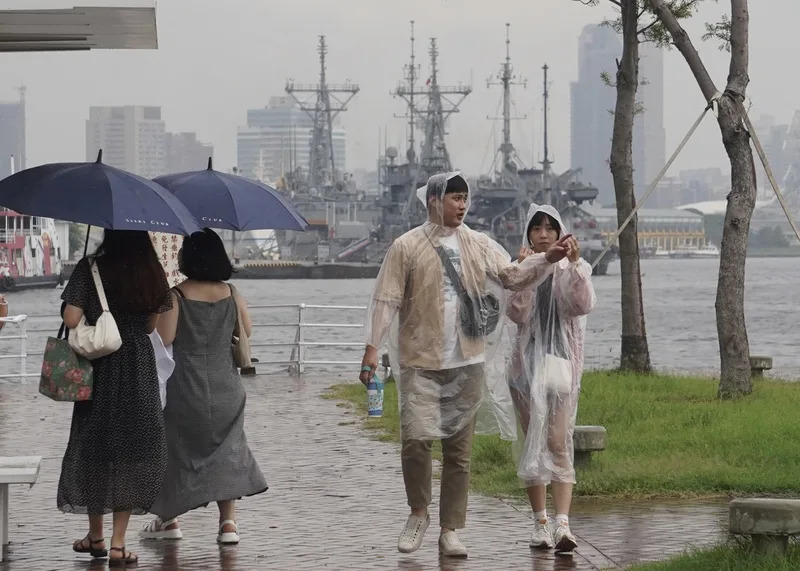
(440, 301)
(547, 363)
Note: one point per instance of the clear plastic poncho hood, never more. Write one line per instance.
(547, 362)
(439, 300)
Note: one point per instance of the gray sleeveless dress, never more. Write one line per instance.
(208, 456)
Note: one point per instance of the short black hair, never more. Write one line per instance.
(455, 184)
(203, 257)
(538, 220)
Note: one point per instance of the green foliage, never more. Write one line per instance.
(667, 436)
(650, 29)
(731, 557)
(720, 31)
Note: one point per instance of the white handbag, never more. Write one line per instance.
(101, 339)
(557, 374)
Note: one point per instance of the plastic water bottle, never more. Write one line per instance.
(375, 397)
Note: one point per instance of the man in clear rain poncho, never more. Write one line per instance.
(439, 298)
(545, 373)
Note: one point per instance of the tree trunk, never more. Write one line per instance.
(634, 352)
(734, 348)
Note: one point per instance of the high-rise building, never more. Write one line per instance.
(277, 139)
(649, 144)
(773, 139)
(592, 104)
(186, 153)
(12, 136)
(133, 138)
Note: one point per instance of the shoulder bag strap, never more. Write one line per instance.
(237, 330)
(452, 273)
(98, 284)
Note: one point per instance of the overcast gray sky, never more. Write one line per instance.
(218, 58)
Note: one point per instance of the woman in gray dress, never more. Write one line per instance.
(208, 456)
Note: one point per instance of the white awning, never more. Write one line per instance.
(79, 28)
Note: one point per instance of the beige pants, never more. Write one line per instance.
(456, 449)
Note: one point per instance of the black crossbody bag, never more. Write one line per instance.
(477, 319)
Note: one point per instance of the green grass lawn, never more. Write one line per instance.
(726, 558)
(667, 436)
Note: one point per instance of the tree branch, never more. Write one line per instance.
(737, 72)
(644, 30)
(684, 44)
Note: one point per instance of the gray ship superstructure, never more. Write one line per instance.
(429, 106)
(501, 200)
(340, 216)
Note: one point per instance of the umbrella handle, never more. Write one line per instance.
(86, 243)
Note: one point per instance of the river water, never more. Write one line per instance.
(679, 300)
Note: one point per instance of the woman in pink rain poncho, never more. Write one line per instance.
(545, 373)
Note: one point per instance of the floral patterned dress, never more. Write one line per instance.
(116, 456)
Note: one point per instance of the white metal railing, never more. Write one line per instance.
(300, 344)
(297, 361)
(20, 333)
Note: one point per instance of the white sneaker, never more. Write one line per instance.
(228, 537)
(412, 534)
(564, 539)
(451, 546)
(541, 537)
(156, 529)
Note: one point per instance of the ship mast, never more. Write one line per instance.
(506, 79)
(322, 165)
(21, 142)
(407, 92)
(435, 157)
(546, 162)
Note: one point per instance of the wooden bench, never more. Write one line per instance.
(585, 441)
(768, 521)
(14, 470)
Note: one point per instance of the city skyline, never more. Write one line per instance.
(134, 138)
(207, 87)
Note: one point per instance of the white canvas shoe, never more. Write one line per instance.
(157, 529)
(451, 546)
(564, 539)
(541, 536)
(412, 534)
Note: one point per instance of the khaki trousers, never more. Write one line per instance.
(456, 449)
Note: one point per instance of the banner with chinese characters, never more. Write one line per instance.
(167, 247)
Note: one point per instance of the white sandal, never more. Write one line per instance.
(228, 537)
(157, 529)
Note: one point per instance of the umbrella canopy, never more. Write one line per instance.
(98, 195)
(230, 202)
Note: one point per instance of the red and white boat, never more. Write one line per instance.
(30, 252)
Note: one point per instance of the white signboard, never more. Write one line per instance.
(167, 247)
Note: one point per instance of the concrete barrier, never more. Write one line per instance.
(586, 440)
(768, 521)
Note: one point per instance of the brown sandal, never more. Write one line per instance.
(127, 558)
(80, 546)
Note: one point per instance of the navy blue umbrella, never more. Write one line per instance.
(230, 202)
(98, 195)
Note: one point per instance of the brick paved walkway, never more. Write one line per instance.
(336, 501)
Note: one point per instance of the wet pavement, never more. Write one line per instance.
(336, 501)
